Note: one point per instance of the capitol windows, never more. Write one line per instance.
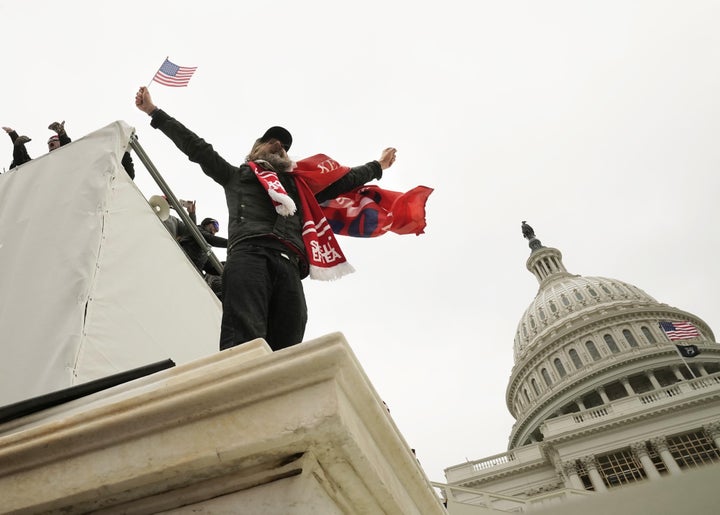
(534, 385)
(640, 384)
(527, 398)
(605, 289)
(575, 357)
(559, 367)
(693, 449)
(610, 341)
(615, 391)
(648, 334)
(553, 307)
(592, 350)
(665, 377)
(546, 376)
(620, 290)
(578, 295)
(592, 291)
(629, 338)
(620, 468)
(712, 368)
(565, 300)
(541, 313)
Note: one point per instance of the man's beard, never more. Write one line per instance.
(278, 162)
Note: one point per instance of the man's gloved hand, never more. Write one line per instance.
(58, 127)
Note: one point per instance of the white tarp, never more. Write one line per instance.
(91, 282)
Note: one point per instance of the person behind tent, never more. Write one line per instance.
(60, 138)
(20, 154)
(208, 228)
(175, 226)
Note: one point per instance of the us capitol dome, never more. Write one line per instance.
(582, 332)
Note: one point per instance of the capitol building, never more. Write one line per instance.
(610, 389)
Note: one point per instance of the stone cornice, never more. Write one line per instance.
(215, 418)
(510, 471)
(654, 411)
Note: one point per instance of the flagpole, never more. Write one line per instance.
(683, 360)
(677, 348)
(153, 77)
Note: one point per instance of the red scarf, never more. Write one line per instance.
(367, 211)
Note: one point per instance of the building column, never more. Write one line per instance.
(593, 474)
(640, 450)
(678, 374)
(661, 446)
(653, 380)
(603, 395)
(580, 404)
(571, 473)
(702, 370)
(713, 431)
(626, 384)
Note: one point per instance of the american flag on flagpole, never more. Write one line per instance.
(679, 330)
(170, 74)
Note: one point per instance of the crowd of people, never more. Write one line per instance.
(208, 228)
(277, 232)
(21, 156)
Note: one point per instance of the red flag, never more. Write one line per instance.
(367, 211)
(371, 211)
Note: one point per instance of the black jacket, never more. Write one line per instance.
(197, 254)
(20, 154)
(251, 213)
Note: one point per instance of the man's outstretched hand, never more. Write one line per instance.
(143, 101)
(387, 158)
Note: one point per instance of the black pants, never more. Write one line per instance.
(262, 297)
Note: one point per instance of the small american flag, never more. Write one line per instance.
(170, 74)
(679, 330)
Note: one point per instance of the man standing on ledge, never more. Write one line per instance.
(267, 208)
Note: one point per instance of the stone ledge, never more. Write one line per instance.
(224, 416)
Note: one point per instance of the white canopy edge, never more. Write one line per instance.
(91, 282)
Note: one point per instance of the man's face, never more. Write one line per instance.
(273, 152)
(213, 228)
(53, 144)
(272, 146)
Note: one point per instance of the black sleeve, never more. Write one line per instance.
(196, 148)
(215, 241)
(64, 139)
(127, 163)
(355, 178)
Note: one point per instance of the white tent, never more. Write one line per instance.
(91, 282)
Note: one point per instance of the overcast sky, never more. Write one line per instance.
(595, 121)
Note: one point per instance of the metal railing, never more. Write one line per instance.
(173, 201)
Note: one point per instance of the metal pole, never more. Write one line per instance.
(683, 360)
(172, 199)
